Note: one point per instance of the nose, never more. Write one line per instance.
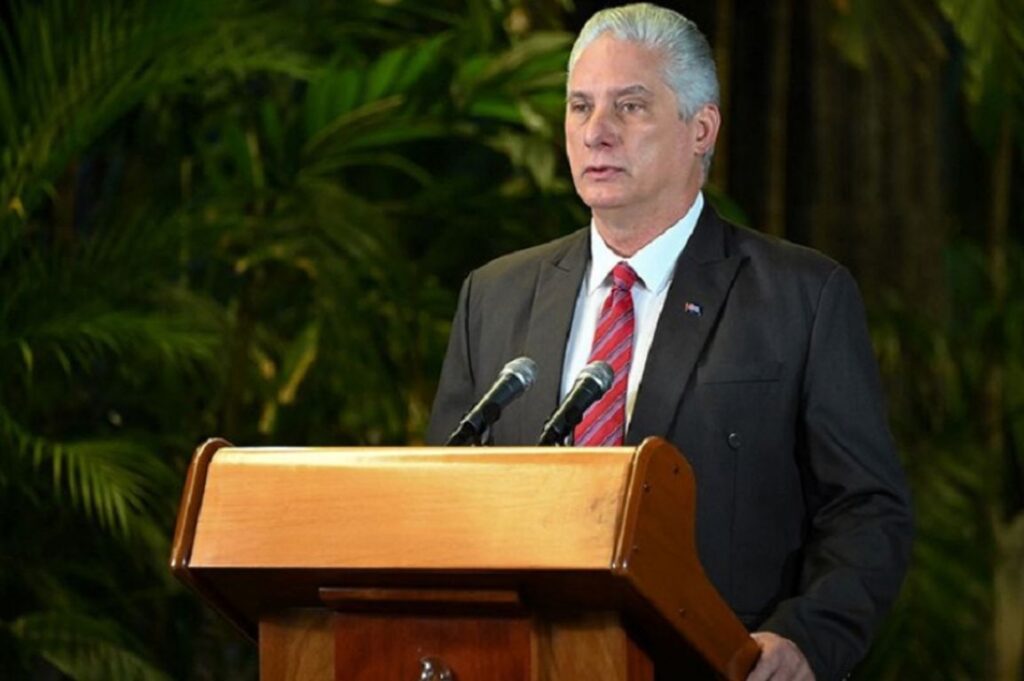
(602, 128)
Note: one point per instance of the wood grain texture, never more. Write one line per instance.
(450, 509)
(264, 531)
(383, 647)
(658, 555)
(489, 602)
(297, 645)
(191, 500)
(192, 496)
(589, 646)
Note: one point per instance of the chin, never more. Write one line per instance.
(604, 202)
(602, 197)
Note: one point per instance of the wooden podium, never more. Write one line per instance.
(460, 564)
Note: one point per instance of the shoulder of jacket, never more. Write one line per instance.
(528, 259)
(770, 251)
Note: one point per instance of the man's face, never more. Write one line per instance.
(627, 145)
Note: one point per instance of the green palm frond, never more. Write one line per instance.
(78, 337)
(906, 34)
(85, 648)
(522, 86)
(114, 481)
(110, 295)
(68, 315)
(992, 32)
(73, 69)
(356, 116)
(76, 68)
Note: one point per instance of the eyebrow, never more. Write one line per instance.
(636, 89)
(633, 90)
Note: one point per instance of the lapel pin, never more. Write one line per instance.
(693, 309)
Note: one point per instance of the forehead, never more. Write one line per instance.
(610, 63)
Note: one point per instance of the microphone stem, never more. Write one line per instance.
(466, 435)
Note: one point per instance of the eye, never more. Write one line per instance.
(578, 106)
(632, 107)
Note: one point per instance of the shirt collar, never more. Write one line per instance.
(654, 263)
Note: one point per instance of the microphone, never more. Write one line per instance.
(593, 382)
(515, 378)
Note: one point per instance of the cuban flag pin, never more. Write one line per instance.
(693, 309)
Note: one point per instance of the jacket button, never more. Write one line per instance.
(734, 440)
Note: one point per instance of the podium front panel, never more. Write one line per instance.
(448, 509)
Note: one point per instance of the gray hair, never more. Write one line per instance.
(689, 68)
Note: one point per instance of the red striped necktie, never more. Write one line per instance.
(604, 424)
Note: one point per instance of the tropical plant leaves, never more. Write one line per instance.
(221, 218)
(85, 648)
(112, 480)
(992, 32)
(962, 486)
(904, 33)
(59, 94)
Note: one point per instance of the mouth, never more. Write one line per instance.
(602, 172)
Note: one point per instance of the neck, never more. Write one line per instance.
(625, 232)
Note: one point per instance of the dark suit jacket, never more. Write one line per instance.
(772, 393)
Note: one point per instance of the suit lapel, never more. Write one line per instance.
(558, 284)
(704, 274)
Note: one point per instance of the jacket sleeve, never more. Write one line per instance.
(860, 528)
(457, 386)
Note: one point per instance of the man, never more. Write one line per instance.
(750, 354)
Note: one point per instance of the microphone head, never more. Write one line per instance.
(600, 372)
(524, 369)
(592, 382)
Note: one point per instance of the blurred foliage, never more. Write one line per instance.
(250, 218)
(992, 32)
(904, 34)
(957, 385)
(232, 218)
(968, 496)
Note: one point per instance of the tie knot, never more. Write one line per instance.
(623, 276)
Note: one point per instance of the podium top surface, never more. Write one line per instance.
(401, 508)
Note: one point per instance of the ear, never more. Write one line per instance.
(705, 124)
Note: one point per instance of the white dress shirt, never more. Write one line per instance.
(655, 265)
